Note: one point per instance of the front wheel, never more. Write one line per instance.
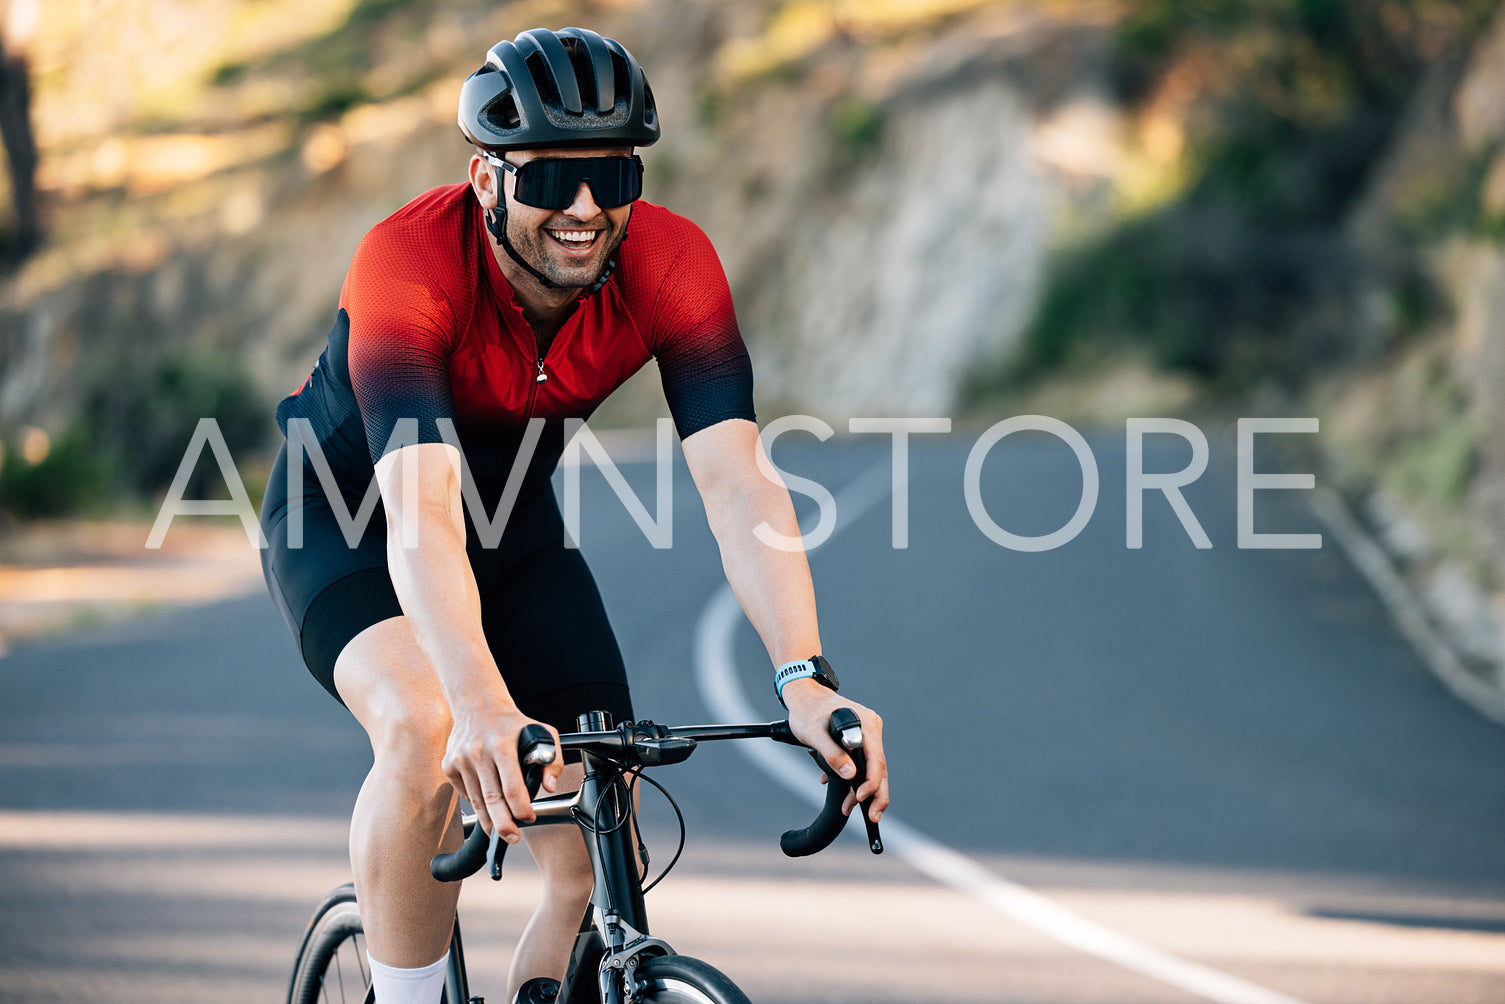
(331, 964)
(679, 979)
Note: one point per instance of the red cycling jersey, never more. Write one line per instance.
(429, 328)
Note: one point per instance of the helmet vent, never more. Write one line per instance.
(650, 110)
(621, 72)
(548, 87)
(585, 72)
(502, 113)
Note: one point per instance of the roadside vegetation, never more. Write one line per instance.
(1264, 123)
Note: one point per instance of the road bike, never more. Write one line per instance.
(615, 959)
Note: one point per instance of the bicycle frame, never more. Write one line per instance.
(617, 906)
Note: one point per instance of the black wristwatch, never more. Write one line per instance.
(816, 668)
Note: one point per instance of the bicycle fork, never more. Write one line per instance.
(617, 896)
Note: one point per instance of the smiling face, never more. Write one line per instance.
(570, 246)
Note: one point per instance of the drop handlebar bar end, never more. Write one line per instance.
(535, 748)
(845, 728)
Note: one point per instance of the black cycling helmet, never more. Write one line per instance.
(558, 89)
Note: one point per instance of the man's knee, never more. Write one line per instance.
(412, 732)
(389, 686)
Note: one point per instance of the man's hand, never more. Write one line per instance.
(481, 764)
(810, 707)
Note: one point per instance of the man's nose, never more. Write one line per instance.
(584, 207)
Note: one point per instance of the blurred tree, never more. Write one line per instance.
(15, 129)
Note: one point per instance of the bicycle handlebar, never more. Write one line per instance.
(846, 729)
(535, 748)
(643, 743)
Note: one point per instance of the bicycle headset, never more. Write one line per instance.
(570, 88)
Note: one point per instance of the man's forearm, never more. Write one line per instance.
(438, 593)
(773, 586)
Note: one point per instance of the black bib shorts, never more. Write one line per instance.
(540, 609)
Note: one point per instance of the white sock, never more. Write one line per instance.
(423, 985)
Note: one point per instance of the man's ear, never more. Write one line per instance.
(483, 181)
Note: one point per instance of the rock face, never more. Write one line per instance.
(927, 263)
(1428, 415)
(884, 236)
(1476, 284)
(883, 221)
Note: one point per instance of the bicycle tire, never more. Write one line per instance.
(335, 935)
(679, 979)
(331, 963)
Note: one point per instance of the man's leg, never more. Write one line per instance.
(544, 949)
(405, 813)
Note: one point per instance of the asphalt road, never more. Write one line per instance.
(1227, 757)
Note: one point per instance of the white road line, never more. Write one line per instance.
(716, 673)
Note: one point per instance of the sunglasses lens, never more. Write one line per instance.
(552, 184)
(616, 181)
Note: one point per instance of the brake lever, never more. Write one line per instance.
(846, 728)
(539, 751)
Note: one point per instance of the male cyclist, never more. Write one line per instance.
(466, 317)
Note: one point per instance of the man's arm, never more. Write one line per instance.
(774, 587)
(442, 604)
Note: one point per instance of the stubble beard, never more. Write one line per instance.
(537, 247)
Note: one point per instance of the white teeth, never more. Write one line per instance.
(575, 235)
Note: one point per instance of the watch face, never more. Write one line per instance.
(824, 672)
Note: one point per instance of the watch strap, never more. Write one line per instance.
(800, 669)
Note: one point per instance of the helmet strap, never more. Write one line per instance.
(496, 222)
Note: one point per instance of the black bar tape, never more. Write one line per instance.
(471, 856)
(827, 826)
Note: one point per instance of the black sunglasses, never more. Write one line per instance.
(551, 182)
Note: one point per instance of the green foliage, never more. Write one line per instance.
(1432, 455)
(710, 106)
(339, 61)
(1144, 286)
(74, 477)
(1481, 220)
(369, 12)
(1448, 200)
(1416, 303)
(856, 125)
(1296, 101)
(137, 421)
(335, 99)
(229, 73)
(144, 415)
(1438, 468)
(1304, 92)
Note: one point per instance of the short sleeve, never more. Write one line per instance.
(702, 359)
(402, 329)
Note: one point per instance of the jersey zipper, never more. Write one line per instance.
(539, 358)
(538, 378)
